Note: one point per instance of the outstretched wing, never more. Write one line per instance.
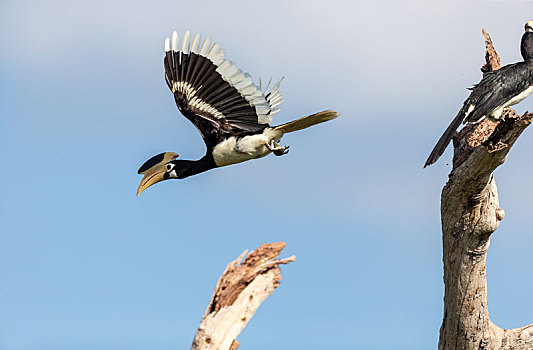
(497, 88)
(216, 96)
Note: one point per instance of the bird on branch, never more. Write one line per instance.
(497, 90)
(231, 113)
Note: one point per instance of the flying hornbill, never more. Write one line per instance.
(231, 113)
(501, 88)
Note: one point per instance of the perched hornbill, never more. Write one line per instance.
(501, 88)
(231, 113)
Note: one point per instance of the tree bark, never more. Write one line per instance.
(470, 214)
(237, 296)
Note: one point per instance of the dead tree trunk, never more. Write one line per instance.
(470, 214)
(237, 296)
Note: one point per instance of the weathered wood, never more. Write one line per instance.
(240, 290)
(470, 213)
(492, 59)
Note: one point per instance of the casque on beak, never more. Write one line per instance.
(529, 26)
(154, 170)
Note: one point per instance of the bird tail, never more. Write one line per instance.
(305, 122)
(445, 139)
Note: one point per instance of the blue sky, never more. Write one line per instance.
(84, 264)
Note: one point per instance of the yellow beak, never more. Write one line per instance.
(151, 176)
(154, 170)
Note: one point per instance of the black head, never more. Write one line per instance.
(526, 47)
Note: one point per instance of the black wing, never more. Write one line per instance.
(217, 97)
(497, 88)
(492, 92)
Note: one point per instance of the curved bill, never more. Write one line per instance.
(151, 176)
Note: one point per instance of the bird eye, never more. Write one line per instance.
(169, 167)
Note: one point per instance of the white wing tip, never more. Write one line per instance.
(186, 42)
(175, 41)
(167, 45)
(206, 46)
(195, 44)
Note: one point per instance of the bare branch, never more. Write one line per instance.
(492, 60)
(240, 290)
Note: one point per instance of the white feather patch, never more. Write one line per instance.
(185, 45)
(175, 41)
(205, 47)
(215, 50)
(196, 43)
(223, 68)
(230, 72)
(190, 94)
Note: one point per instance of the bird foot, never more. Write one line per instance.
(277, 149)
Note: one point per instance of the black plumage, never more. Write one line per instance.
(497, 90)
(199, 73)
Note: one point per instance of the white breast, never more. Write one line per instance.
(233, 150)
(497, 113)
(518, 98)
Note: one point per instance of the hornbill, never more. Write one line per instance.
(497, 90)
(231, 113)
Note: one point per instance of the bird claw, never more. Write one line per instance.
(281, 151)
(277, 149)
